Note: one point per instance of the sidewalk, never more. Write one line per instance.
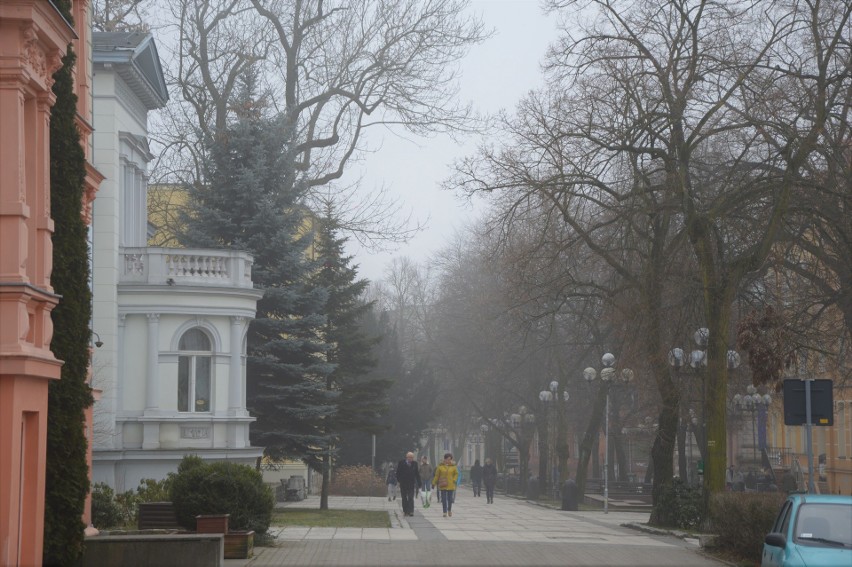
(508, 532)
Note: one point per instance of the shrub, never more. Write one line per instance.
(106, 513)
(742, 520)
(150, 490)
(221, 488)
(682, 505)
(359, 480)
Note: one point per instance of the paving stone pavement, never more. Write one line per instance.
(508, 532)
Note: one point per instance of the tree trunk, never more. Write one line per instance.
(524, 462)
(662, 456)
(326, 480)
(682, 466)
(590, 436)
(562, 450)
(543, 455)
(619, 453)
(716, 388)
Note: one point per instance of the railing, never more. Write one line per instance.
(186, 266)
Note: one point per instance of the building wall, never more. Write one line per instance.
(145, 299)
(33, 38)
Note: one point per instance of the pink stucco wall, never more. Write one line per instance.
(33, 37)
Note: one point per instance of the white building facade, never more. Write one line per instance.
(170, 374)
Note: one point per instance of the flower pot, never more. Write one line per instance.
(239, 544)
(212, 524)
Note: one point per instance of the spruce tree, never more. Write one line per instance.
(362, 397)
(66, 469)
(251, 199)
(411, 398)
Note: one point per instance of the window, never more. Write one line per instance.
(194, 369)
(782, 519)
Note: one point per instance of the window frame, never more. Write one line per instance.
(194, 359)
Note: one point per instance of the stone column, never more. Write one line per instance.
(152, 390)
(151, 429)
(235, 383)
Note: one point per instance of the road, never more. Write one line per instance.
(508, 532)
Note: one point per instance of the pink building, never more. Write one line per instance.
(33, 38)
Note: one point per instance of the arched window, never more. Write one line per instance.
(194, 369)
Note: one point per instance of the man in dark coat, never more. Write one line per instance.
(476, 478)
(408, 476)
(489, 476)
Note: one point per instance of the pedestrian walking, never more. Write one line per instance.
(426, 473)
(489, 477)
(391, 480)
(445, 479)
(476, 478)
(408, 476)
(739, 481)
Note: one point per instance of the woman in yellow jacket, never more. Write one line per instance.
(446, 476)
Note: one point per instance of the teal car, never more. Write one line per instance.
(812, 530)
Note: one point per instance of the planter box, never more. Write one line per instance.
(212, 524)
(157, 515)
(186, 550)
(239, 545)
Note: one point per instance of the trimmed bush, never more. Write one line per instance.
(742, 520)
(683, 505)
(106, 513)
(359, 480)
(111, 510)
(221, 487)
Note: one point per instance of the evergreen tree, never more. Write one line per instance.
(250, 200)
(411, 398)
(66, 470)
(362, 398)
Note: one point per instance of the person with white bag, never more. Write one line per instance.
(426, 472)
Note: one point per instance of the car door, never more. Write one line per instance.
(774, 556)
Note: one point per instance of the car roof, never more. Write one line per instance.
(821, 499)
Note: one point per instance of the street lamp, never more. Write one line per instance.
(753, 403)
(550, 401)
(608, 376)
(697, 360)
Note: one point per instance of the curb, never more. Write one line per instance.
(703, 539)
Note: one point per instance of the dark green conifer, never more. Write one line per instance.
(362, 396)
(66, 474)
(251, 199)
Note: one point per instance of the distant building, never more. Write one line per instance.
(173, 321)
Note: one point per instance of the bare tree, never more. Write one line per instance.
(333, 69)
(120, 15)
(668, 123)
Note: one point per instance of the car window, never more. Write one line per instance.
(824, 521)
(783, 518)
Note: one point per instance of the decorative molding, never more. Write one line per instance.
(134, 264)
(194, 432)
(205, 325)
(130, 101)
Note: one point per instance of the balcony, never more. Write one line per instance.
(186, 266)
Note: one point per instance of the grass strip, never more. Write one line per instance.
(315, 518)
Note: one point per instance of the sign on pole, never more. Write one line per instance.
(809, 403)
(822, 402)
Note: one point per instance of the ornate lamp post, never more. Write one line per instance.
(608, 376)
(697, 360)
(753, 403)
(550, 401)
